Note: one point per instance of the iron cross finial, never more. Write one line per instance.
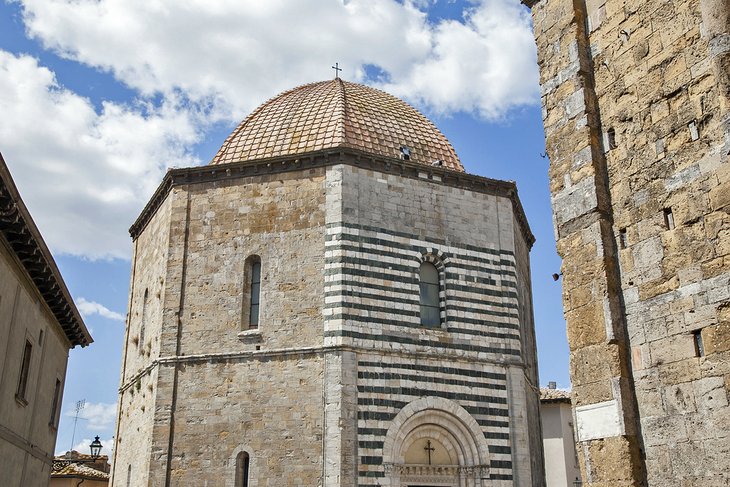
(337, 69)
(429, 449)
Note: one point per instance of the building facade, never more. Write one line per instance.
(636, 97)
(558, 438)
(39, 323)
(332, 301)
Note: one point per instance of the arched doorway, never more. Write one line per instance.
(434, 442)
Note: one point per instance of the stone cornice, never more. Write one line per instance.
(216, 357)
(262, 167)
(530, 3)
(24, 240)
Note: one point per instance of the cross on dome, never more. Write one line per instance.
(337, 69)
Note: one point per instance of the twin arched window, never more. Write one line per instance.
(430, 288)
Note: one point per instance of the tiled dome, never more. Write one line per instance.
(337, 113)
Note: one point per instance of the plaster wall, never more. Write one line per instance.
(561, 466)
(27, 431)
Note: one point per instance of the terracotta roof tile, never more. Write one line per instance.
(337, 113)
(77, 469)
(554, 395)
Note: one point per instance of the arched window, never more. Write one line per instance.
(242, 462)
(252, 292)
(429, 287)
(143, 321)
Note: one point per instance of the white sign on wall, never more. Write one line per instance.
(600, 420)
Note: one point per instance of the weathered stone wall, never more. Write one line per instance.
(137, 398)
(199, 364)
(482, 354)
(635, 106)
(339, 351)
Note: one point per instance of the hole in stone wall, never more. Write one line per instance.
(693, 130)
(622, 238)
(609, 140)
(699, 346)
(668, 219)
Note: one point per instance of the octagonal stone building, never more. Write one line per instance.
(332, 301)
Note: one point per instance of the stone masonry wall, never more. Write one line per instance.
(203, 377)
(339, 350)
(635, 107)
(385, 227)
(137, 397)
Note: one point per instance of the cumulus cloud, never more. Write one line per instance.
(100, 416)
(230, 55)
(485, 64)
(85, 174)
(88, 308)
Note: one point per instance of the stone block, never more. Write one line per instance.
(680, 398)
(663, 430)
(672, 349)
(612, 459)
(681, 371)
(711, 393)
(688, 458)
(716, 338)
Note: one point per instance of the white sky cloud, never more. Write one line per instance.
(85, 175)
(231, 55)
(99, 416)
(88, 308)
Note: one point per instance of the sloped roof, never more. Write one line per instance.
(77, 470)
(337, 113)
(554, 395)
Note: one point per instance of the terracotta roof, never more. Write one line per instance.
(337, 113)
(77, 470)
(18, 229)
(554, 395)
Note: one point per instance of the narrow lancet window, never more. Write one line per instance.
(242, 463)
(24, 371)
(429, 288)
(53, 421)
(143, 321)
(252, 292)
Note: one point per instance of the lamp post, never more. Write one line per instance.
(95, 448)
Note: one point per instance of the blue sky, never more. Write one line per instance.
(101, 97)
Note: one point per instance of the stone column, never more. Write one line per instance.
(605, 409)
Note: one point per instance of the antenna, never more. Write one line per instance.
(79, 406)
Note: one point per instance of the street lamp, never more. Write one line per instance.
(95, 448)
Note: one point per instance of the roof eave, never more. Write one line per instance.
(326, 157)
(22, 236)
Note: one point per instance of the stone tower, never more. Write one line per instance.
(332, 301)
(635, 98)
